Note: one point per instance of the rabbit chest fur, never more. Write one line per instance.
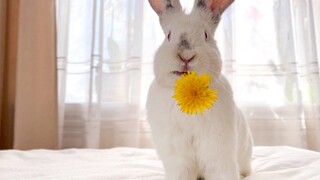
(215, 145)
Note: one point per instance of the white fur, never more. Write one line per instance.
(216, 145)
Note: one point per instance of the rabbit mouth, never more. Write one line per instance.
(179, 73)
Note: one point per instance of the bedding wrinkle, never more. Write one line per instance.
(269, 163)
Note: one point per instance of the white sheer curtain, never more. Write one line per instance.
(100, 73)
(276, 72)
(105, 50)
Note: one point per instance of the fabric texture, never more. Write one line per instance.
(276, 163)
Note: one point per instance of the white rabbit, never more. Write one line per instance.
(216, 145)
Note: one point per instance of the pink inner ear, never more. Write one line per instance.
(157, 6)
(218, 4)
(215, 4)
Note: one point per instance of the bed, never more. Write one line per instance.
(269, 163)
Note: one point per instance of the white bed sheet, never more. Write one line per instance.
(269, 163)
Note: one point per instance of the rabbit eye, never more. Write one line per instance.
(205, 35)
(169, 35)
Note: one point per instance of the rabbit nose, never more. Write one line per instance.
(186, 59)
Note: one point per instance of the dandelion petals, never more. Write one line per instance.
(193, 94)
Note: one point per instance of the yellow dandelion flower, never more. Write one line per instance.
(193, 94)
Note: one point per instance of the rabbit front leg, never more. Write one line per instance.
(220, 162)
(224, 170)
(179, 168)
(175, 153)
(218, 154)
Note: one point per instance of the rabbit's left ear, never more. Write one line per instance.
(216, 7)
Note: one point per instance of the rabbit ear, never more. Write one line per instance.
(216, 7)
(220, 5)
(162, 6)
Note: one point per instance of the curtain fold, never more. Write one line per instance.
(29, 97)
(9, 34)
(2, 32)
(3, 7)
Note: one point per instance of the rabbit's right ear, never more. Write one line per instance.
(214, 7)
(163, 6)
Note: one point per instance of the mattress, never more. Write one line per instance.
(269, 163)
